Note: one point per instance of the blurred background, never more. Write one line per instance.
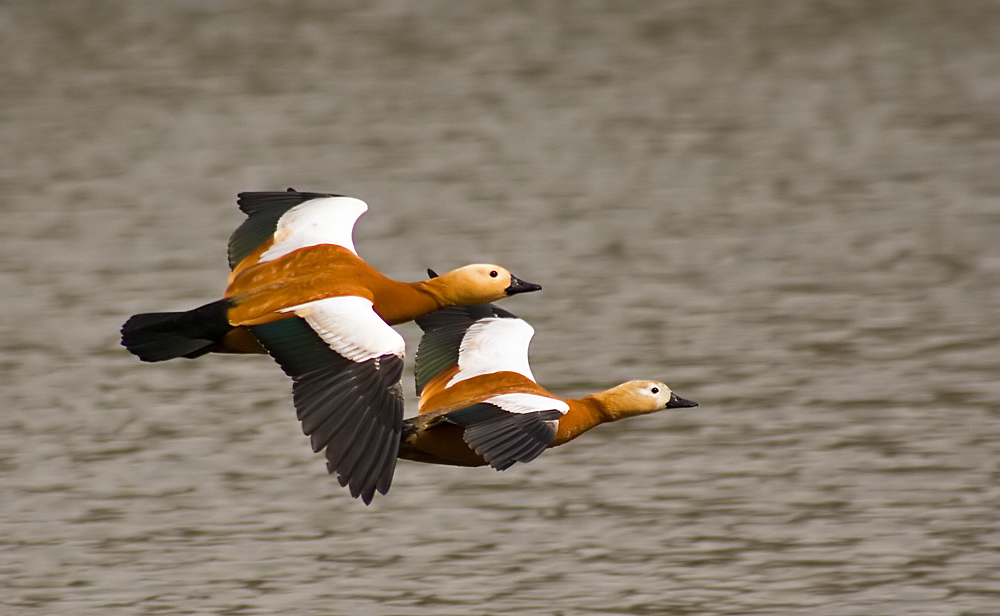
(789, 211)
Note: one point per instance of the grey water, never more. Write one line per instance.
(788, 211)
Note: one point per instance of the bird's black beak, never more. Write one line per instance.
(519, 286)
(431, 273)
(676, 402)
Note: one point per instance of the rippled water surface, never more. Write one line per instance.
(789, 211)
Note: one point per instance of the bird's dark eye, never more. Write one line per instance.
(655, 390)
(494, 274)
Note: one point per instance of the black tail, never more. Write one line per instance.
(159, 336)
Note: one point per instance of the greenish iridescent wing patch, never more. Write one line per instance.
(263, 210)
(442, 339)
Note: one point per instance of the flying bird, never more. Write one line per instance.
(299, 291)
(480, 404)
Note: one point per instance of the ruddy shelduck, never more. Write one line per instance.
(480, 404)
(299, 291)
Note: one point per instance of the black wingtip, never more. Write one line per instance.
(503, 438)
(353, 410)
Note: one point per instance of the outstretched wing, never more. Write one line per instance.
(509, 428)
(291, 220)
(346, 364)
(466, 341)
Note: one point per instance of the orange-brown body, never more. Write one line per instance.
(441, 443)
(261, 291)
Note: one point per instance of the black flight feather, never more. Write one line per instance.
(352, 409)
(502, 437)
(263, 210)
(443, 333)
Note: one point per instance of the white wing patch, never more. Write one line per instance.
(350, 326)
(328, 220)
(494, 345)
(527, 403)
